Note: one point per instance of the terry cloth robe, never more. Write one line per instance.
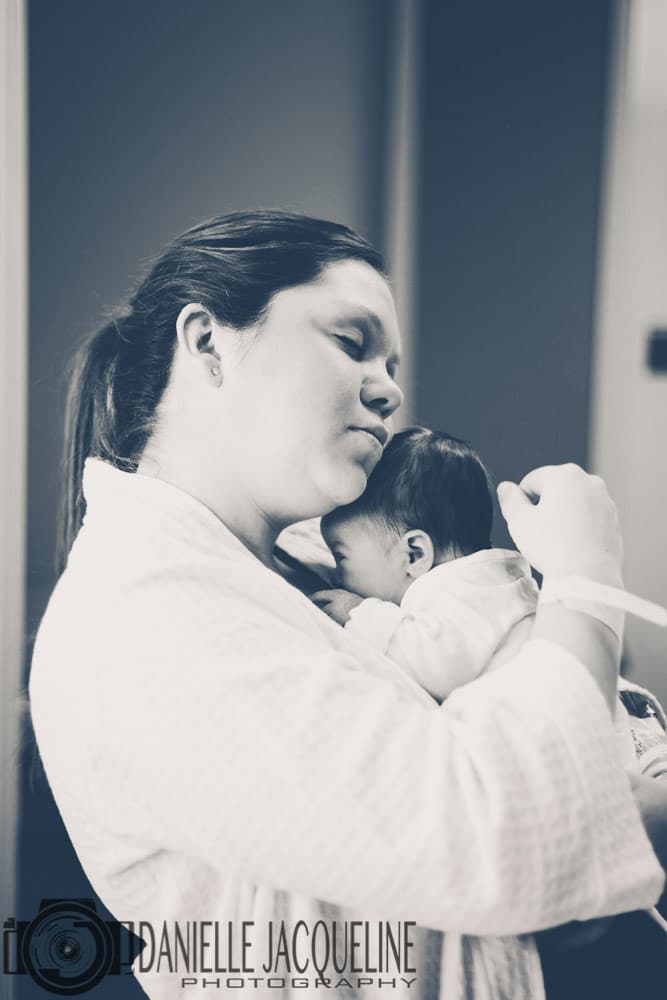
(458, 620)
(220, 750)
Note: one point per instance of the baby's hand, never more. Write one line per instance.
(336, 603)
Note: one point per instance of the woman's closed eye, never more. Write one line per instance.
(353, 345)
(356, 345)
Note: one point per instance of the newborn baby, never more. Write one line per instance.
(418, 575)
(419, 580)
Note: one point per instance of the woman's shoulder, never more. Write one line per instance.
(116, 611)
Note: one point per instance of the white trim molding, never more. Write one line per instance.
(13, 422)
(629, 396)
(401, 208)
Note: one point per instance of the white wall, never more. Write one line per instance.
(13, 420)
(629, 417)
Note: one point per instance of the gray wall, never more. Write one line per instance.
(513, 115)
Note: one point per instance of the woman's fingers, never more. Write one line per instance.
(564, 522)
(537, 480)
(511, 499)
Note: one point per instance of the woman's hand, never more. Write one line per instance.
(336, 603)
(565, 523)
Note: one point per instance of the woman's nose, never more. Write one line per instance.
(380, 392)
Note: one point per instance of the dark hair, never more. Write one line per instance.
(233, 266)
(432, 481)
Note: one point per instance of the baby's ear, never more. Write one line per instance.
(420, 552)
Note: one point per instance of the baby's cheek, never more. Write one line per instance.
(349, 579)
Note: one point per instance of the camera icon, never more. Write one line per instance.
(66, 949)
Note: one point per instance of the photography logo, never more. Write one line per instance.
(67, 948)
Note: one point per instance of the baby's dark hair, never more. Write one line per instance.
(431, 481)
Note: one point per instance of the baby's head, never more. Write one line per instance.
(427, 501)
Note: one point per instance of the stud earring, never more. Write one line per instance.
(215, 370)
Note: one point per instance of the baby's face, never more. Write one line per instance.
(368, 561)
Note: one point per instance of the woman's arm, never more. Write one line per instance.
(221, 722)
(565, 524)
(243, 741)
(592, 642)
(651, 798)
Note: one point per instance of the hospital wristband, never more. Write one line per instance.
(607, 604)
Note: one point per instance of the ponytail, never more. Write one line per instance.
(89, 424)
(116, 379)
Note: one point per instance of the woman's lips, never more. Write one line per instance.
(378, 435)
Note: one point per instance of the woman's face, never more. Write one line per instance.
(312, 395)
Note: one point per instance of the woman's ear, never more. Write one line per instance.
(420, 552)
(194, 330)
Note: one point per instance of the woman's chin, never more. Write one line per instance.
(347, 486)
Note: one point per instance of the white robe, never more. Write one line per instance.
(219, 749)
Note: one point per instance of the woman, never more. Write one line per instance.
(218, 747)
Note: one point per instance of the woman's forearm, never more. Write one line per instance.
(592, 642)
